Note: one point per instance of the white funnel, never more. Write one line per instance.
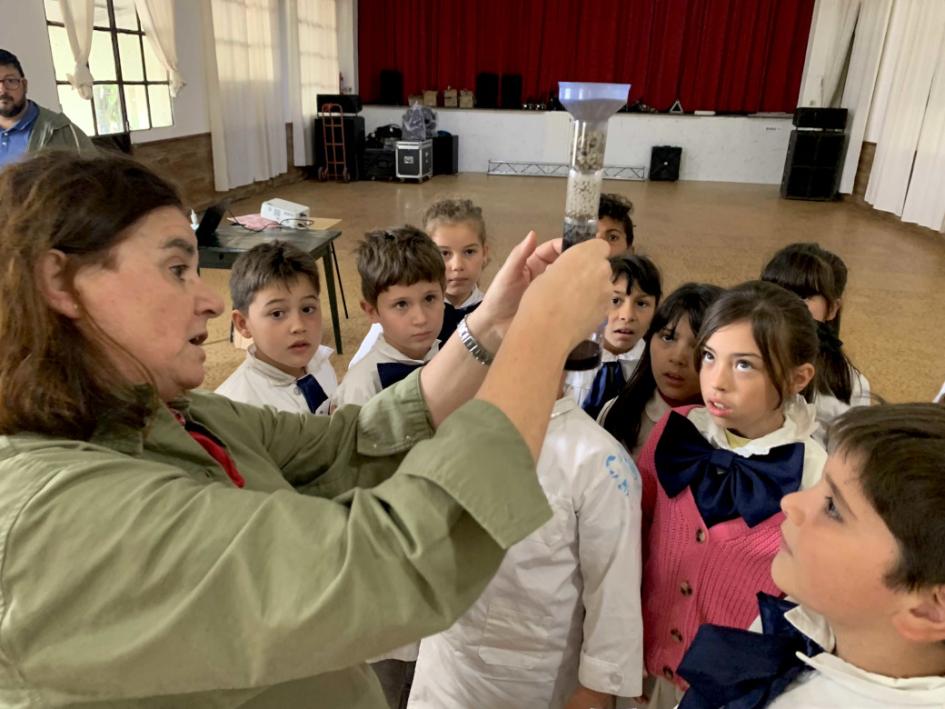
(592, 102)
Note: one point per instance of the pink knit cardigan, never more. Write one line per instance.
(694, 575)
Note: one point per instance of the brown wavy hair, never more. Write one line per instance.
(455, 211)
(399, 256)
(56, 379)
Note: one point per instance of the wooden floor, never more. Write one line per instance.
(894, 311)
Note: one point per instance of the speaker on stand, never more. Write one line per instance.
(814, 162)
(664, 163)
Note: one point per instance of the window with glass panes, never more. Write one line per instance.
(130, 90)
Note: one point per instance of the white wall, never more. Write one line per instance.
(23, 32)
(715, 148)
(191, 114)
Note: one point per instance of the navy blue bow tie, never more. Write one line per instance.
(607, 384)
(451, 317)
(724, 484)
(739, 669)
(314, 395)
(393, 372)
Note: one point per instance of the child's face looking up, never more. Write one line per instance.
(736, 386)
(836, 550)
(614, 233)
(465, 256)
(630, 314)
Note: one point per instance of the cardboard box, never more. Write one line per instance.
(466, 99)
(415, 98)
(429, 98)
(451, 98)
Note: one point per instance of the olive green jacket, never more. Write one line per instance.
(134, 573)
(54, 130)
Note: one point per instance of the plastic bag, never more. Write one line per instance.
(419, 122)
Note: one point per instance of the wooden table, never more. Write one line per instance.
(232, 240)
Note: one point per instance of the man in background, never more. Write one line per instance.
(25, 126)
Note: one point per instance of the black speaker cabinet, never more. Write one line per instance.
(379, 164)
(445, 155)
(354, 144)
(813, 165)
(487, 90)
(392, 88)
(664, 163)
(511, 91)
(350, 103)
(823, 118)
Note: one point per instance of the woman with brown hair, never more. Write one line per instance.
(154, 547)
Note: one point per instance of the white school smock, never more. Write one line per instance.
(564, 606)
(376, 330)
(829, 407)
(578, 384)
(362, 381)
(836, 683)
(259, 383)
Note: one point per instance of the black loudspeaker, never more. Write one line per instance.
(379, 164)
(354, 144)
(350, 103)
(813, 165)
(511, 91)
(487, 90)
(392, 88)
(824, 118)
(445, 154)
(664, 163)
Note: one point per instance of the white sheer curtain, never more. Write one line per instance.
(925, 200)
(827, 49)
(157, 21)
(77, 16)
(914, 59)
(863, 68)
(894, 89)
(244, 87)
(312, 67)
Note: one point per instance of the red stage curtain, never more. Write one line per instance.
(722, 55)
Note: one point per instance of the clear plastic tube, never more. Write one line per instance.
(591, 106)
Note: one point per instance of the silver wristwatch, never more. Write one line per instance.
(480, 353)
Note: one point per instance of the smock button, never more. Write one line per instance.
(685, 589)
(668, 672)
(700, 536)
(677, 636)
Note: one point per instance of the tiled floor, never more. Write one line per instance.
(894, 311)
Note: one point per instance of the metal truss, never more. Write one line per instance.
(554, 169)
